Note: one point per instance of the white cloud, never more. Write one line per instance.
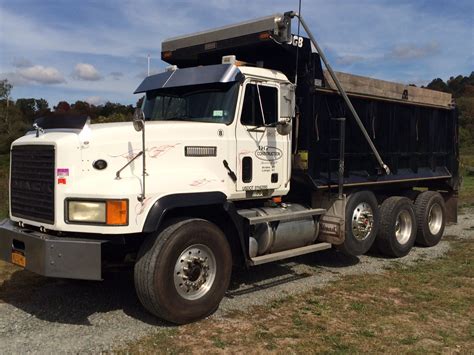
(95, 100)
(413, 51)
(42, 75)
(35, 74)
(14, 78)
(84, 71)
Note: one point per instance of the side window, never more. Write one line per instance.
(253, 105)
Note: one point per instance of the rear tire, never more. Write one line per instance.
(182, 274)
(362, 223)
(430, 213)
(397, 231)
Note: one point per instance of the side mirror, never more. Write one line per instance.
(138, 119)
(284, 127)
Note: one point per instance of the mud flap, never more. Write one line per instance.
(451, 201)
(332, 223)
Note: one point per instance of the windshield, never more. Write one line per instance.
(201, 103)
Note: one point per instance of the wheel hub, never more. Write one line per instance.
(194, 272)
(362, 221)
(403, 227)
(435, 218)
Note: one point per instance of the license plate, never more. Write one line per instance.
(18, 258)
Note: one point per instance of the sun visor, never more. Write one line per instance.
(219, 73)
(68, 121)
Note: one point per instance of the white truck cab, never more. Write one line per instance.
(208, 136)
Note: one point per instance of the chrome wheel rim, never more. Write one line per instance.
(362, 221)
(435, 218)
(195, 272)
(403, 227)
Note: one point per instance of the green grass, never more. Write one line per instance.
(467, 189)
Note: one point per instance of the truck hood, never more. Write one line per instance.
(113, 133)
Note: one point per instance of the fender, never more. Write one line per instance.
(169, 202)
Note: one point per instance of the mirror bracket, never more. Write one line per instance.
(139, 125)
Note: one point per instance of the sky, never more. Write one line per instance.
(96, 50)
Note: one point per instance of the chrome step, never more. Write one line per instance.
(258, 260)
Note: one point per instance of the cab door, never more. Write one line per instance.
(262, 163)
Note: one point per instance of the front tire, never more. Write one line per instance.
(182, 274)
(397, 231)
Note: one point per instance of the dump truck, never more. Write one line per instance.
(249, 148)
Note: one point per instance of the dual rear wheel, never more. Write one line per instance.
(395, 226)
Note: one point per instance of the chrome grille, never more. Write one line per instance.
(32, 182)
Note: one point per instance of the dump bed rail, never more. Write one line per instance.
(376, 88)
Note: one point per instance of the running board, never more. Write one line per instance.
(286, 216)
(268, 258)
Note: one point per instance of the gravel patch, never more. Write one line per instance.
(270, 282)
(83, 316)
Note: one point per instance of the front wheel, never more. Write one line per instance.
(182, 274)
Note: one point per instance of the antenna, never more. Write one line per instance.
(297, 47)
(148, 60)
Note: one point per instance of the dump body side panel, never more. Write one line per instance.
(418, 143)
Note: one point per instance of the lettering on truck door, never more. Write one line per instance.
(261, 151)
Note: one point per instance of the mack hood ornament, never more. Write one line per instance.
(38, 129)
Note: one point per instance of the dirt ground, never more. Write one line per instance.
(44, 315)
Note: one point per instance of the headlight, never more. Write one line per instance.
(110, 212)
(87, 211)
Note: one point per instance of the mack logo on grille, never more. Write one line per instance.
(32, 186)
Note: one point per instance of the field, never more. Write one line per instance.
(417, 309)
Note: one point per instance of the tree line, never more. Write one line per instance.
(462, 89)
(17, 116)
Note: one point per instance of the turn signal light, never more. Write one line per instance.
(117, 212)
(276, 199)
(264, 36)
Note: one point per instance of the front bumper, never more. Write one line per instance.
(52, 256)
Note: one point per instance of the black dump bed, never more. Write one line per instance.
(415, 130)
